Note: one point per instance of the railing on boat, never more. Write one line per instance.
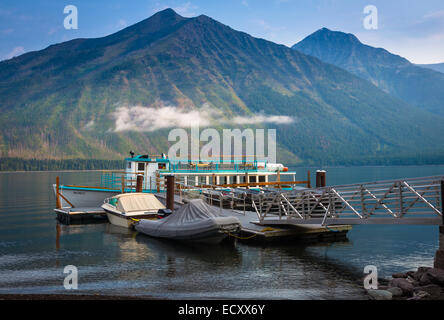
(127, 182)
(217, 166)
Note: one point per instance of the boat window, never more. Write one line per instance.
(141, 166)
(129, 164)
(162, 166)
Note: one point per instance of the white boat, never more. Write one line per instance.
(125, 209)
(195, 221)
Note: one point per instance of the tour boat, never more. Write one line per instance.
(153, 169)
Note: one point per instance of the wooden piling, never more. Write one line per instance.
(170, 192)
(139, 184)
(58, 202)
(439, 255)
(308, 179)
(323, 178)
(320, 179)
(442, 201)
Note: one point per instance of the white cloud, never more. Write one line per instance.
(15, 52)
(186, 9)
(149, 119)
(123, 23)
(89, 126)
(262, 118)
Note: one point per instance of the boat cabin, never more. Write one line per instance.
(201, 172)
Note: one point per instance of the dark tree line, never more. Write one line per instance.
(17, 164)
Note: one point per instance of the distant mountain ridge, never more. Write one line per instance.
(433, 66)
(61, 102)
(395, 75)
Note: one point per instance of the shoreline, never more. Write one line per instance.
(426, 283)
(64, 296)
(293, 166)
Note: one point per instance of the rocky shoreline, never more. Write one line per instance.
(426, 283)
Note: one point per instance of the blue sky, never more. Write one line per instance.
(411, 28)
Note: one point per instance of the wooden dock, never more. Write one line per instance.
(68, 214)
(252, 230)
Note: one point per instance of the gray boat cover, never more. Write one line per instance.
(193, 220)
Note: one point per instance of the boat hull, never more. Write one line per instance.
(83, 197)
(119, 221)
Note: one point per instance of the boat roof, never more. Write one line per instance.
(161, 159)
(147, 158)
(130, 202)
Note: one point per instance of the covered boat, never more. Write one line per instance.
(194, 221)
(124, 209)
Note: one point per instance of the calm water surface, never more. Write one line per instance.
(34, 249)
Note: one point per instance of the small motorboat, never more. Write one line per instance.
(125, 209)
(194, 221)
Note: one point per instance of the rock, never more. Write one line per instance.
(436, 276)
(418, 274)
(432, 289)
(439, 259)
(396, 292)
(424, 280)
(410, 279)
(419, 295)
(383, 281)
(380, 294)
(424, 269)
(404, 285)
(399, 275)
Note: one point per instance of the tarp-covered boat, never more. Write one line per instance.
(194, 221)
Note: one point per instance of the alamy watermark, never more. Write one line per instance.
(371, 278)
(71, 280)
(71, 21)
(254, 148)
(371, 19)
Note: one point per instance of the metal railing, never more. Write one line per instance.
(407, 201)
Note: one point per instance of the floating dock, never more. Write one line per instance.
(68, 214)
(252, 230)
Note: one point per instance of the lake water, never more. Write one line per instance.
(35, 248)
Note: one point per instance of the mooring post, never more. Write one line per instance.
(308, 180)
(139, 183)
(318, 178)
(170, 192)
(439, 256)
(58, 202)
(323, 178)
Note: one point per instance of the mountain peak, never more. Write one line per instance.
(167, 13)
(326, 34)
